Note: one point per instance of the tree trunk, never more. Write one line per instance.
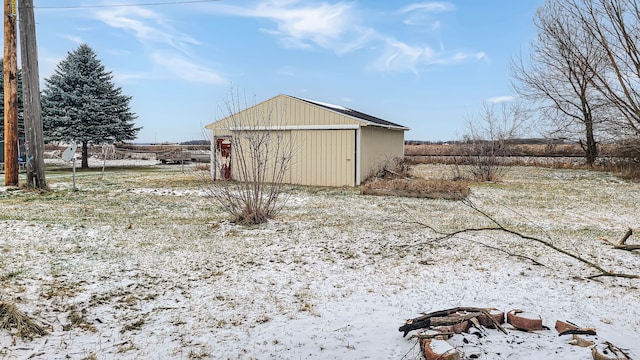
(85, 155)
(591, 149)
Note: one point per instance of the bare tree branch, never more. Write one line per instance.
(498, 227)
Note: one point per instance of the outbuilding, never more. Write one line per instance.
(332, 145)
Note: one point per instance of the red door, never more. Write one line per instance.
(223, 156)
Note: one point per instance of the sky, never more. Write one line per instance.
(427, 65)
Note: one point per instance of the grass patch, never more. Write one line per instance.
(12, 318)
(11, 274)
(419, 188)
(78, 320)
(394, 177)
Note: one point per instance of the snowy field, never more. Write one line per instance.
(140, 264)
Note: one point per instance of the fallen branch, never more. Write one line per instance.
(602, 272)
(582, 331)
(536, 262)
(434, 335)
(442, 317)
(622, 243)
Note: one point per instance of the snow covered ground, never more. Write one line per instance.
(141, 264)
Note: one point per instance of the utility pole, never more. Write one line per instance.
(10, 95)
(31, 97)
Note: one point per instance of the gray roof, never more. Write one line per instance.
(354, 113)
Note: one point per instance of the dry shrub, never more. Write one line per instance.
(417, 187)
(261, 161)
(391, 168)
(77, 319)
(12, 318)
(393, 177)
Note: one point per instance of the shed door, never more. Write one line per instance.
(223, 157)
(324, 158)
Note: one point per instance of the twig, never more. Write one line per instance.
(626, 236)
(507, 252)
(501, 228)
(622, 243)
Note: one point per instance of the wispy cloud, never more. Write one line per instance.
(184, 69)
(344, 28)
(166, 46)
(304, 25)
(146, 25)
(73, 38)
(501, 99)
(431, 6)
(419, 14)
(402, 57)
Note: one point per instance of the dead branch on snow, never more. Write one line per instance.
(498, 227)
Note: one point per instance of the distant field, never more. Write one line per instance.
(541, 150)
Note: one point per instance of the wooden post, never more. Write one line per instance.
(31, 97)
(10, 95)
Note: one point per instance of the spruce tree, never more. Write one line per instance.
(80, 103)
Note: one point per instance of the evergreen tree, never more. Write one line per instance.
(20, 103)
(81, 103)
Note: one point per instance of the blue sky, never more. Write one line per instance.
(428, 65)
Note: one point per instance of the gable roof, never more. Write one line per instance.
(368, 120)
(372, 120)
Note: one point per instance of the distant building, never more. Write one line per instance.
(333, 145)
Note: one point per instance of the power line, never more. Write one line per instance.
(125, 5)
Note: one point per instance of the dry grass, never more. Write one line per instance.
(461, 149)
(202, 167)
(12, 318)
(416, 187)
(394, 178)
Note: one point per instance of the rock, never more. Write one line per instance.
(524, 321)
(438, 350)
(496, 314)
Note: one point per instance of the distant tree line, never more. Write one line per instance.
(515, 141)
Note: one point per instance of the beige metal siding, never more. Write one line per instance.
(378, 145)
(283, 110)
(323, 158)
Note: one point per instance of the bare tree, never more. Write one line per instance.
(614, 26)
(261, 154)
(558, 76)
(488, 138)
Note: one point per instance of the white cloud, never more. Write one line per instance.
(501, 99)
(432, 7)
(168, 48)
(183, 68)
(303, 25)
(123, 78)
(146, 25)
(402, 57)
(74, 39)
(343, 28)
(422, 13)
